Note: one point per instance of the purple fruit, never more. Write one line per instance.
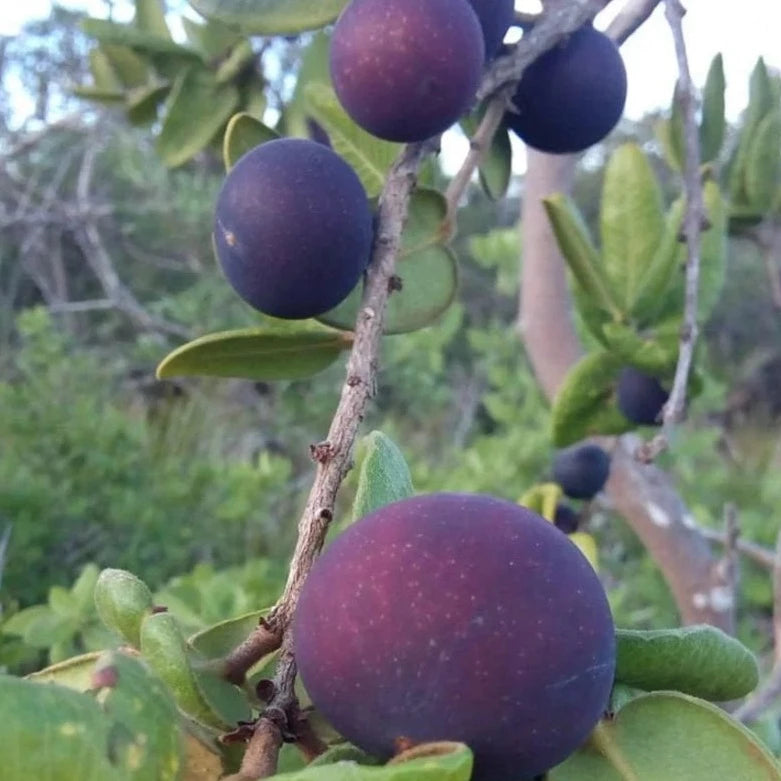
(581, 470)
(495, 17)
(640, 397)
(572, 96)
(566, 519)
(458, 617)
(293, 228)
(406, 70)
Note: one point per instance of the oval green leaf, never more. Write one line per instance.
(699, 660)
(256, 354)
(122, 600)
(243, 133)
(383, 475)
(763, 162)
(585, 404)
(74, 673)
(631, 220)
(140, 40)
(668, 735)
(271, 17)
(197, 108)
(216, 641)
(713, 124)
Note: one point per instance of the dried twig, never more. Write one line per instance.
(757, 553)
(769, 694)
(727, 572)
(631, 17)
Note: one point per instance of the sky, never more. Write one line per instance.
(740, 31)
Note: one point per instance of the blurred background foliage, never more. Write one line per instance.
(196, 486)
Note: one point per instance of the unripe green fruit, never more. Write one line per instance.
(406, 70)
(458, 617)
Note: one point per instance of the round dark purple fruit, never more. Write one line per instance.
(565, 519)
(641, 398)
(458, 617)
(581, 470)
(572, 96)
(293, 228)
(495, 17)
(406, 70)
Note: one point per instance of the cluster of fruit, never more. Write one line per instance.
(293, 228)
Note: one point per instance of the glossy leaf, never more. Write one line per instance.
(655, 353)
(243, 133)
(132, 70)
(383, 475)
(74, 673)
(585, 404)
(256, 354)
(370, 157)
(576, 245)
(763, 162)
(713, 124)
(344, 752)
(122, 601)
(216, 641)
(699, 660)
(668, 735)
(105, 77)
(142, 103)
(455, 765)
(271, 17)
(197, 108)
(212, 38)
(631, 221)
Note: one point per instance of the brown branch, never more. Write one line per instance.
(769, 693)
(262, 754)
(693, 219)
(630, 18)
(757, 553)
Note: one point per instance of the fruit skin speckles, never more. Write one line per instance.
(458, 617)
(293, 228)
(572, 96)
(406, 70)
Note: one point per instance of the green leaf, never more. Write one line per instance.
(256, 354)
(128, 35)
(578, 249)
(761, 102)
(99, 95)
(663, 130)
(315, 69)
(271, 17)
(216, 641)
(122, 601)
(213, 38)
(165, 650)
(62, 602)
(145, 738)
(631, 220)
(699, 660)
(663, 271)
(150, 17)
(713, 124)
(495, 168)
(383, 475)
(370, 157)
(132, 70)
(242, 134)
(344, 752)
(83, 589)
(74, 673)
(454, 765)
(241, 55)
(197, 108)
(669, 736)
(585, 404)
(763, 162)
(654, 352)
(105, 77)
(50, 732)
(142, 103)
(428, 272)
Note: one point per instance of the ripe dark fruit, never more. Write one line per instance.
(572, 96)
(293, 228)
(495, 17)
(581, 470)
(406, 70)
(458, 617)
(640, 397)
(316, 132)
(565, 519)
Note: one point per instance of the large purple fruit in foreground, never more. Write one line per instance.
(293, 228)
(458, 617)
(572, 96)
(495, 17)
(405, 70)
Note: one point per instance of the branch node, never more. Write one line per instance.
(322, 452)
